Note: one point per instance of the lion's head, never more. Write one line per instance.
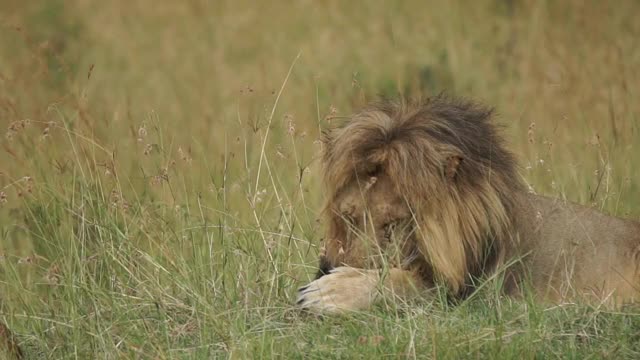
(424, 184)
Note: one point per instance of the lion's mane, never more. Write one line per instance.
(448, 160)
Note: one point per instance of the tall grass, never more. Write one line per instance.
(159, 187)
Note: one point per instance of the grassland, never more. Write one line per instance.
(159, 189)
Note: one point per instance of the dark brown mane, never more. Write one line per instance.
(440, 120)
(427, 146)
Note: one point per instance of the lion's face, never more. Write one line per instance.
(371, 224)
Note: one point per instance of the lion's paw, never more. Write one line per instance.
(343, 289)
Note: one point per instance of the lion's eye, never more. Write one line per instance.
(373, 171)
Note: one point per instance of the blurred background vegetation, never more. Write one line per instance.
(562, 76)
(144, 139)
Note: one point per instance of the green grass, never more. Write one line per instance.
(162, 200)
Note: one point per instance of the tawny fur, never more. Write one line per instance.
(428, 188)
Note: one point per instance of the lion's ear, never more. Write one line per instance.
(452, 158)
(451, 166)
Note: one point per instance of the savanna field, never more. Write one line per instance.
(160, 191)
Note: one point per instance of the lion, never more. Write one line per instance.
(423, 194)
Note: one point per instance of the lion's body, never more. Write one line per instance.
(574, 251)
(428, 190)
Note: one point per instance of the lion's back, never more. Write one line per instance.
(577, 248)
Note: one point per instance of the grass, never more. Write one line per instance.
(159, 189)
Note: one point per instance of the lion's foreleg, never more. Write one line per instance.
(346, 289)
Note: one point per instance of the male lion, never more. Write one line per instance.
(421, 193)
